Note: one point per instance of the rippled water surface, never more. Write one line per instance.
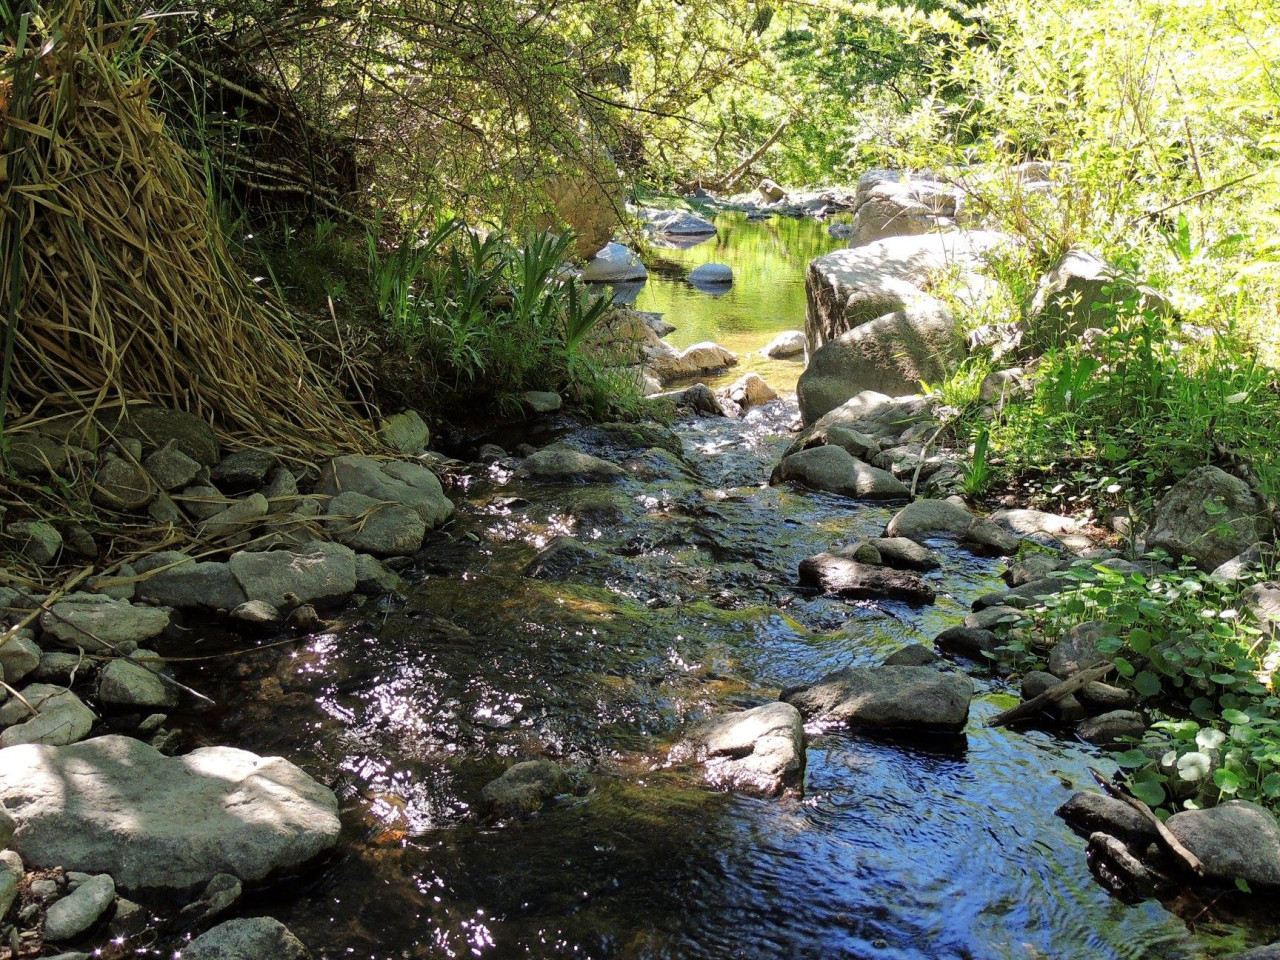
(897, 849)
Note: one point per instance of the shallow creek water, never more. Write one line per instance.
(897, 849)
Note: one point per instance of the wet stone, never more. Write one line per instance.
(524, 788)
(758, 751)
(1116, 729)
(857, 581)
(968, 642)
(248, 938)
(915, 655)
(918, 698)
(1089, 812)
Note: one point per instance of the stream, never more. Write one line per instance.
(897, 850)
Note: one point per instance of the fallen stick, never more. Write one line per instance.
(1051, 696)
(1167, 839)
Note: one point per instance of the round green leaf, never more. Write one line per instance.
(1146, 683)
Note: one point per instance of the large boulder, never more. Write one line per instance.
(902, 205)
(410, 484)
(1081, 291)
(848, 288)
(1236, 840)
(919, 698)
(116, 805)
(893, 354)
(614, 263)
(834, 470)
(757, 751)
(247, 938)
(315, 573)
(589, 205)
(1210, 516)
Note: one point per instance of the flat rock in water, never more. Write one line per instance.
(757, 751)
(904, 554)
(126, 683)
(858, 581)
(711, 275)
(678, 223)
(968, 642)
(410, 484)
(1233, 840)
(247, 938)
(913, 698)
(915, 655)
(116, 805)
(614, 263)
(927, 519)
(567, 466)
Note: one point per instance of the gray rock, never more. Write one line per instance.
(77, 538)
(785, 346)
(116, 805)
(1082, 291)
(57, 667)
(677, 223)
(918, 698)
(372, 577)
(1089, 812)
(173, 579)
(894, 353)
(904, 554)
(860, 445)
(122, 485)
(258, 613)
(1235, 840)
(614, 263)
(904, 206)
(915, 655)
(19, 656)
(126, 683)
(1263, 601)
(238, 520)
(247, 938)
(491, 453)
(165, 512)
(711, 274)
(129, 919)
(410, 484)
(1025, 596)
(884, 419)
(1033, 566)
(541, 401)
(1209, 516)
(1078, 649)
(170, 468)
(1271, 952)
(927, 519)
(832, 469)
(525, 787)
(243, 470)
(992, 617)
(858, 581)
(11, 873)
(771, 191)
(219, 896)
(1067, 710)
(74, 914)
(157, 426)
(200, 502)
(749, 390)
(967, 642)
(31, 455)
(281, 489)
(36, 540)
(372, 526)
(700, 358)
(406, 433)
(567, 466)
(758, 751)
(316, 573)
(1028, 523)
(1102, 697)
(1114, 729)
(84, 619)
(61, 718)
(6, 833)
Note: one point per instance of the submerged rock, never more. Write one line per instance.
(116, 805)
(914, 698)
(1235, 840)
(757, 751)
(247, 938)
(858, 581)
(525, 787)
(563, 465)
